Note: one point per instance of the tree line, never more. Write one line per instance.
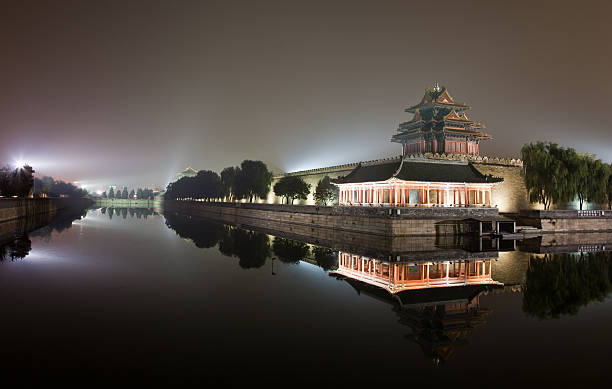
(16, 182)
(50, 187)
(20, 182)
(557, 175)
(249, 181)
(140, 194)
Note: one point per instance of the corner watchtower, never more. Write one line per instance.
(440, 125)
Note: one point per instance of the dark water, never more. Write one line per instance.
(175, 299)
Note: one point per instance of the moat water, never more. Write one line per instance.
(133, 294)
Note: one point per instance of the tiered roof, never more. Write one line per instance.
(439, 112)
(418, 171)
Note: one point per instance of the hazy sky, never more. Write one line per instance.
(129, 93)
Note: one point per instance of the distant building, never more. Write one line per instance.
(188, 172)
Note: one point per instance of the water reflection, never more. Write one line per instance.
(434, 286)
(439, 301)
(16, 248)
(15, 235)
(123, 212)
(560, 284)
(250, 247)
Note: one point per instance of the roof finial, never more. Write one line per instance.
(436, 87)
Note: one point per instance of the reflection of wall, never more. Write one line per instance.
(510, 268)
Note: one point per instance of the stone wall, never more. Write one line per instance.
(510, 196)
(11, 209)
(313, 176)
(380, 221)
(559, 221)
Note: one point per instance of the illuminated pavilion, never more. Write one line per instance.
(440, 125)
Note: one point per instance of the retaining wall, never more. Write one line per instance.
(559, 221)
(381, 221)
(11, 209)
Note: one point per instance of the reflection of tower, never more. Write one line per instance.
(442, 326)
(439, 301)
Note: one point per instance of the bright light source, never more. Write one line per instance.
(19, 163)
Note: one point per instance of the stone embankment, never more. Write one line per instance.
(562, 221)
(380, 221)
(11, 209)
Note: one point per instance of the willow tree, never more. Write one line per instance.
(598, 182)
(546, 174)
(589, 177)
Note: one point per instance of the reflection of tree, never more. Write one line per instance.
(18, 248)
(326, 258)
(560, 284)
(252, 248)
(124, 211)
(290, 251)
(62, 221)
(204, 234)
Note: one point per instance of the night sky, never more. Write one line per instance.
(129, 93)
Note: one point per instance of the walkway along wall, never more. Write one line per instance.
(381, 221)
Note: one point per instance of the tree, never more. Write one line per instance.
(546, 173)
(253, 180)
(104, 195)
(131, 195)
(124, 193)
(598, 183)
(139, 193)
(326, 192)
(292, 187)
(111, 193)
(208, 185)
(228, 181)
(16, 182)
